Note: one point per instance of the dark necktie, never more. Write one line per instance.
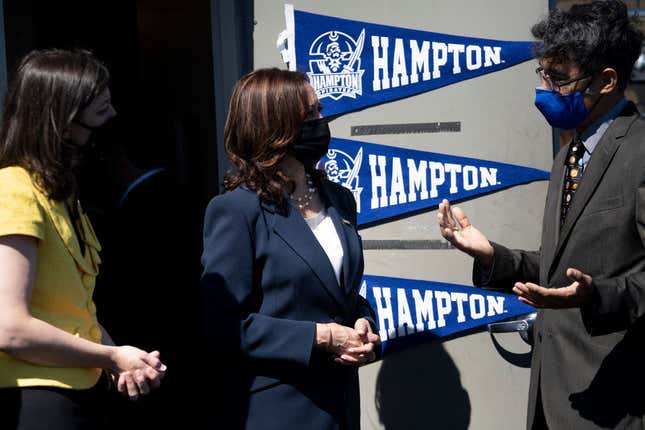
(572, 176)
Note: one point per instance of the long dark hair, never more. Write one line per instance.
(266, 112)
(50, 89)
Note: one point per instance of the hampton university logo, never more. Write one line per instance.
(388, 181)
(343, 169)
(335, 65)
(356, 64)
(406, 308)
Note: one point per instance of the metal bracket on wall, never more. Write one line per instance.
(406, 244)
(412, 128)
(523, 325)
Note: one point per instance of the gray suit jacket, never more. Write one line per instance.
(589, 364)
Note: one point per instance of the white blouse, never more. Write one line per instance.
(323, 228)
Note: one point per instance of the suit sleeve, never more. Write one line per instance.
(618, 302)
(509, 266)
(231, 295)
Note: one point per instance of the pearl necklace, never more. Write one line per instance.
(303, 201)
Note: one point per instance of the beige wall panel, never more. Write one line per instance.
(463, 382)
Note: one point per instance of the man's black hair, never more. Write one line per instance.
(593, 36)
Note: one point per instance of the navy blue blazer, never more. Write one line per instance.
(266, 283)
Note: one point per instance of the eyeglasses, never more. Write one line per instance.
(556, 84)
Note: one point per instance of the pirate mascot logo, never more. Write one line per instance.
(343, 169)
(335, 65)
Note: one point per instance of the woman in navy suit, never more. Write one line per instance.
(282, 266)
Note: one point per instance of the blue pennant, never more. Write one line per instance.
(353, 64)
(390, 182)
(411, 311)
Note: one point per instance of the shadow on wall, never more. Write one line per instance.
(420, 388)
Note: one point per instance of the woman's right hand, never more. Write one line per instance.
(138, 371)
(339, 340)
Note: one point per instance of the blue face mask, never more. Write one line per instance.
(562, 111)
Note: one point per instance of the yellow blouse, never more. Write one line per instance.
(64, 277)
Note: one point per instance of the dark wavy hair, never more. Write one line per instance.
(50, 88)
(266, 112)
(594, 36)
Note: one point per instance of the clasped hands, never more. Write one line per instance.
(349, 346)
(456, 229)
(135, 371)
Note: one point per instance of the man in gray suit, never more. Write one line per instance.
(588, 278)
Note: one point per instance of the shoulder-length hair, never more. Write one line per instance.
(266, 112)
(50, 89)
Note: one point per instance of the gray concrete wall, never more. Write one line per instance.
(463, 382)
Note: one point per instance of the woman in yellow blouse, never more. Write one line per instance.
(54, 354)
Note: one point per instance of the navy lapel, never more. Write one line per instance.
(598, 164)
(347, 234)
(294, 231)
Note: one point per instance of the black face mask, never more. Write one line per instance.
(88, 127)
(313, 141)
(100, 137)
(99, 167)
